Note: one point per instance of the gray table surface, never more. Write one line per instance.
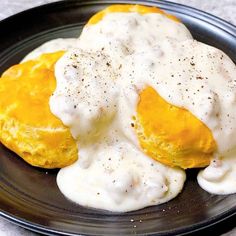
(225, 9)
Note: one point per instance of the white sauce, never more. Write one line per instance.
(112, 173)
(220, 176)
(98, 89)
(54, 45)
(122, 34)
(120, 178)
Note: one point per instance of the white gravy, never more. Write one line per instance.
(98, 88)
(112, 173)
(60, 44)
(122, 34)
(220, 176)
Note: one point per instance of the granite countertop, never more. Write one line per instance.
(225, 9)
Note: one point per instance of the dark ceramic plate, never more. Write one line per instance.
(29, 196)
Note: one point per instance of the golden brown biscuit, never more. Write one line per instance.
(172, 135)
(27, 125)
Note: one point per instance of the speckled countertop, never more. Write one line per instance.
(225, 9)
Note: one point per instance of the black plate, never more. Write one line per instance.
(29, 196)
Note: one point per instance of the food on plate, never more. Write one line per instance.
(135, 99)
(27, 125)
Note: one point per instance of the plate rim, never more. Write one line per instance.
(179, 231)
(181, 8)
(199, 14)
